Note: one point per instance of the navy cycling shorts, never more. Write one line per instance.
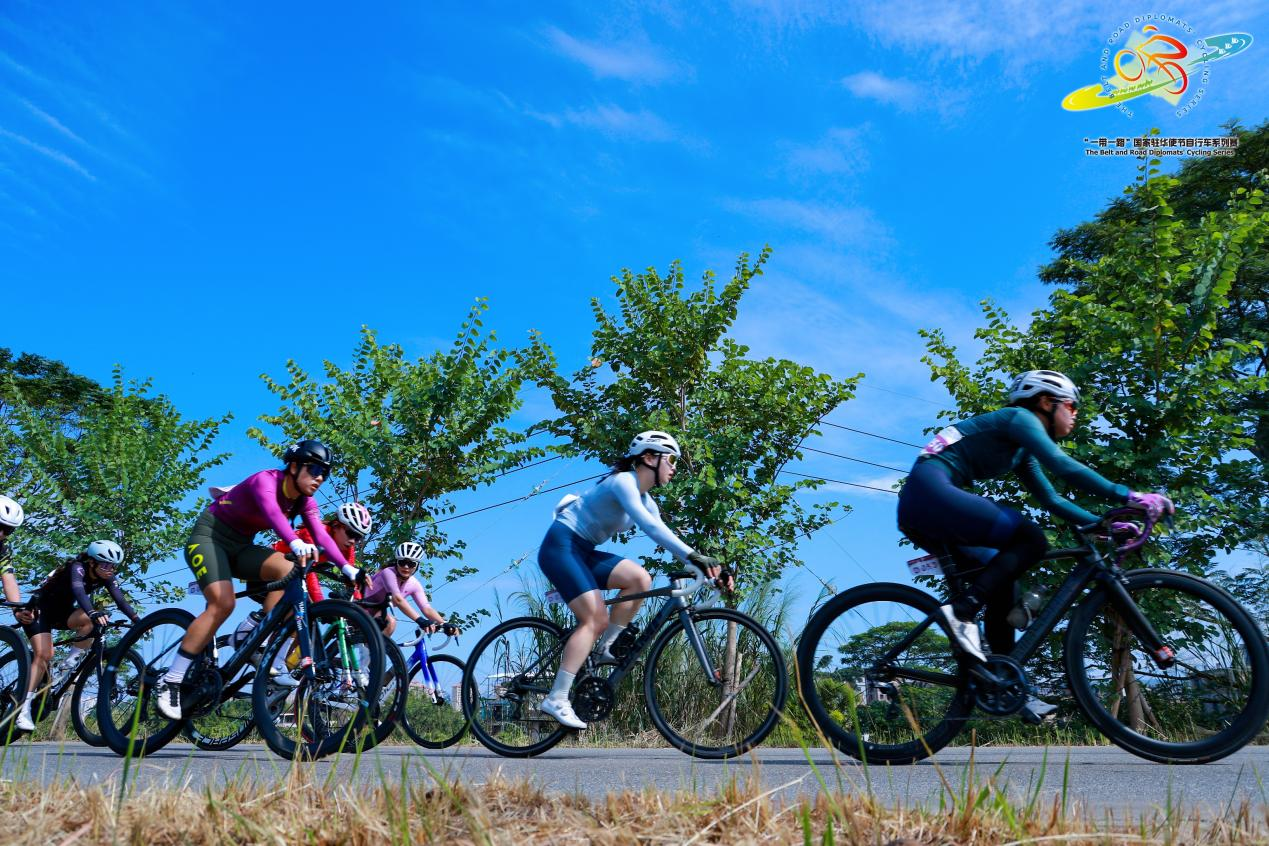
(572, 564)
(931, 507)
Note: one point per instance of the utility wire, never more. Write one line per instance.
(856, 460)
(840, 482)
(871, 434)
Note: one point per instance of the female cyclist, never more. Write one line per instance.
(579, 571)
(11, 517)
(221, 546)
(936, 507)
(70, 585)
(393, 585)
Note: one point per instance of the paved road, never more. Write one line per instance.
(1101, 779)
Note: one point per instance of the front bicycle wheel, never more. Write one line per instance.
(129, 720)
(729, 712)
(386, 711)
(877, 672)
(432, 714)
(88, 690)
(15, 673)
(331, 703)
(1208, 704)
(507, 676)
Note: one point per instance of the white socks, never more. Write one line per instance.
(609, 636)
(176, 672)
(563, 681)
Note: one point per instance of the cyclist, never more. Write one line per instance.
(936, 506)
(579, 571)
(394, 584)
(11, 517)
(54, 603)
(222, 546)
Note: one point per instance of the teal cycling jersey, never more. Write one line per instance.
(1013, 439)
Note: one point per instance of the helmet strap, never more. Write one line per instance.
(1048, 416)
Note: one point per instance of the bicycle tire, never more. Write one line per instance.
(512, 713)
(79, 713)
(946, 711)
(15, 674)
(385, 715)
(116, 723)
(1214, 712)
(694, 696)
(334, 690)
(434, 733)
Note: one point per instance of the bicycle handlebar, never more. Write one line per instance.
(1127, 514)
(277, 584)
(698, 581)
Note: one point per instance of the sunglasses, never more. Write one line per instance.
(352, 534)
(407, 565)
(318, 471)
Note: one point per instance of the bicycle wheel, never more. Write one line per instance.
(15, 670)
(882, 683)
(726, 715)
(506, 678)
(387, 709)
(324, 713)
(129, 720)
(432, 714)
(1210, 703)
(232, 720)
(88, 688)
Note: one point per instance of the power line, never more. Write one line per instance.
(857, 460)
(871, 434)
(840, 482)
(534, 493)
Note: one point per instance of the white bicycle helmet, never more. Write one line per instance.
(410, 551)
(355, 516)
(11, 514)
(1037, 382)
(653, 441)
(107, 552)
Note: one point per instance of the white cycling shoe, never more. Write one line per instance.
(282, 678)
(167, 696)
(966, 634)
(24, 721)
(1037, 710)
(562, 710)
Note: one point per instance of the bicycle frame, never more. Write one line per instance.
(674, 605)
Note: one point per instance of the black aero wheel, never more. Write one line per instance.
(508, 674)
(324, 711)
(88, 689)
(386, 711)
(15, 673)
(432, 714)
(879, 678)
(129, 720)
(1210, 703)
(733, 711)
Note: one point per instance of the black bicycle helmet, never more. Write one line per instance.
(303, 452)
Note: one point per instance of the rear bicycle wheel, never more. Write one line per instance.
(129, 720)
(385, 712)
(330, 705)
(432, 714)
(15, 673)
(232, 720)
(729, 714)
(506, 678)
(877, 672)
(88, 689)
(1210, 703)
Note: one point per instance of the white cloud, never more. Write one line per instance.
(891, 91)
(631, 61)
(841, 151)
(838, 224)
(49, 153)
(611, 120)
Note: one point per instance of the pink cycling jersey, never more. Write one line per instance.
(258, 503)
(385, 585)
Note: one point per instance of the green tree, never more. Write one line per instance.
(122, 467)
(664, 363)
(407, 433)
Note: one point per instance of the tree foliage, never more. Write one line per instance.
(407, 433)
(121, 467)
(663, 362)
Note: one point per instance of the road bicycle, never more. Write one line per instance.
(332, 646)
(1165, 664)
(15, 673)
(714, 683)
(431, 711)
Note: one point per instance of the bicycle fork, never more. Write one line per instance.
(1162, 654)
(712, 675)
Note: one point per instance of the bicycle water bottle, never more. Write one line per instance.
(1021, 615)
(246, 627)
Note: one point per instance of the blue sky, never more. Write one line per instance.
(201, 191)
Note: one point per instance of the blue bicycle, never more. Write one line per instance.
(431, 711)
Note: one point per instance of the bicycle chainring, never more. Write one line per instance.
(201, 690)
(1010, 695)
(593, 698)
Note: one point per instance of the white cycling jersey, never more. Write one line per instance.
(615, 505)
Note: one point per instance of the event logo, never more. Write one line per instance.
(1152, 61)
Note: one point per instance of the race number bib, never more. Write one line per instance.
(927, 565)
(942, 441)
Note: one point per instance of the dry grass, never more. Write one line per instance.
(299, 810)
